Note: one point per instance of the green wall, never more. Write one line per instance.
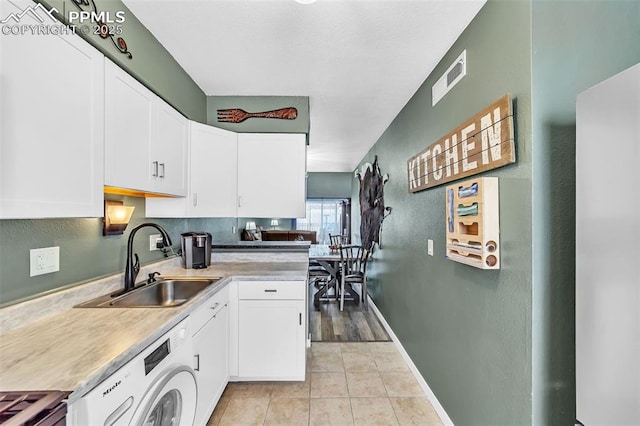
(85, 254)
(575, 46)
(497, 347)
(330, 185)
(467, 330)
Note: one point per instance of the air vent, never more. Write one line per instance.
(454, 74)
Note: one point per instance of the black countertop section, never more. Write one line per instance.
(262, 245)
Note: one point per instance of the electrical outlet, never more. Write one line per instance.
(430, 247)
(153, 242)
(44, 261)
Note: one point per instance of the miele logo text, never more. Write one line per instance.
(111, 388)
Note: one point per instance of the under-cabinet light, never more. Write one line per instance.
(116, 217)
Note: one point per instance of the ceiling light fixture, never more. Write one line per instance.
(305, 1)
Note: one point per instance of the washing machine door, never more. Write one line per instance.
(171, 401)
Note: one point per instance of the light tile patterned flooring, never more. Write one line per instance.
(364, 383)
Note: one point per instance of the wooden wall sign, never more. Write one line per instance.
(237, 115)
(484, 142)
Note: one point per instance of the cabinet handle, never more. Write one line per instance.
(197, 366)
(300, 318)
(162, 175)
(270, 291)
(195, 199)
(155, 169)
(215, 306)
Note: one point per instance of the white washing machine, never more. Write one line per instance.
(158, 387)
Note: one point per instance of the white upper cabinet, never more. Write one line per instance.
(145, 138)
(51, 124)
(171, 154)
(214, 166)
(271, 175)
(213, 160)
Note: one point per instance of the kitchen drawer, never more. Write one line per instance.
(208, 309)
(271, 290)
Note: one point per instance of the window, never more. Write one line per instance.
(326, 216)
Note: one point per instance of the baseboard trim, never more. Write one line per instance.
(423, 384)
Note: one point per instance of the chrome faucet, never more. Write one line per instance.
(132, 269)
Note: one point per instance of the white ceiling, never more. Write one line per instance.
(359, 61)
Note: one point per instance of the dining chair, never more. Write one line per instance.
(353, 269)
(318, 274)
(338, 240)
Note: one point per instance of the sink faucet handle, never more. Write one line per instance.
(136, 265)
(152, 277)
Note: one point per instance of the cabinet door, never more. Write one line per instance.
(51, 124)
(212, 183)
(271, 343)
(271, 175)
(214, 161)
(130, 131)
(171, 154)
(211, 353)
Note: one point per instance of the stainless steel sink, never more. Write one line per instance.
(160, 294)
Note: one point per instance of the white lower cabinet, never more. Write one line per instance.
(271, 330)
(210, 344)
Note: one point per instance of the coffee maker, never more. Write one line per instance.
(196, 250)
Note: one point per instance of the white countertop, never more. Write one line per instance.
(77, 348)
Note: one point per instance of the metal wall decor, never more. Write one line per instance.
(372, 209)
(237, 115)
(104, 29)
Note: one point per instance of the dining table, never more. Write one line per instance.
(330, 260)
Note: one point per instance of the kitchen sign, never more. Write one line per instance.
(484, 142)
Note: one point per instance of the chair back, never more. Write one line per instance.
(353, 260)
(338, 239)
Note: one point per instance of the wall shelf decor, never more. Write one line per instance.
(473, 223)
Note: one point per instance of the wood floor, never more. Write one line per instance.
(353, 324)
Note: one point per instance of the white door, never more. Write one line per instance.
(212, 177)
(214, 165)
(171, 154)
(607, 252)
(51, 124)
(271, 339)
(271, 175)
(211, 353)
(130, 131)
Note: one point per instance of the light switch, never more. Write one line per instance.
(44, 261)
(430, 247)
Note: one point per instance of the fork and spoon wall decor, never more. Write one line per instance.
(237, 115)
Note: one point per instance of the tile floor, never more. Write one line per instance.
(364, 383)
